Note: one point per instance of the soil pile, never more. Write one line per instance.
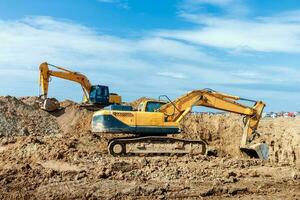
(19, 118)
(60, 159)
(224, 133)
(283, 136)
(73, 118)
(24, 117)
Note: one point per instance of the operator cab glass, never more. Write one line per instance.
(99, 94)
(153, 106)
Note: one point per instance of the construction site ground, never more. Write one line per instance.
(55, 156)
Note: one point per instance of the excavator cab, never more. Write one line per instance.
(150, 105)
(99, 94)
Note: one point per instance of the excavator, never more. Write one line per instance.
(94, 96)
(155, 119)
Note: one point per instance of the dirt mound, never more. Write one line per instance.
(72, 165)
(283, 136)
(224, 132)
(19, 118)
(31, 101)
(73, 118)
(23, 116)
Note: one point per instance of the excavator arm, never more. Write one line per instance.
(177, 109)
(46, 73)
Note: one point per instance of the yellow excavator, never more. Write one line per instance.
(95, 96)
(155, 119)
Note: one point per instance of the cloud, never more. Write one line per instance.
(268, 87)
(292, 16)
(228, 7)
(120, 3)
(172, 75)
(211, 2)
(262, 35)
(153, 63)
(105, 59)
(269, 75)
(175, 49)
(37, 39)
(234, 30)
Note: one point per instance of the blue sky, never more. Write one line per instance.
(152, 47)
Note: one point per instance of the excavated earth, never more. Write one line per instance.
(55, 156)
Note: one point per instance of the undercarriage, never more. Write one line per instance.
(155, 145)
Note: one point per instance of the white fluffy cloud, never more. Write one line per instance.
(118, 62)
(264, 35)
(27, 42)
(172, 75)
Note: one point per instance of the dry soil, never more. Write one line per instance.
(55, 156)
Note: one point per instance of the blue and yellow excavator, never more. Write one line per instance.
(94, 96)
(155, 119)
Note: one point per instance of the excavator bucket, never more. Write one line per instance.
(50, 105)
(259, 150)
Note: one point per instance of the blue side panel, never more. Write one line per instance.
(109, 124)
(118, 107)
(144, 130)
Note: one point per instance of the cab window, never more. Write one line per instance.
(102, 92)
(93, 93)
(152, 106)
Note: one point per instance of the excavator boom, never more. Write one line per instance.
(176, 109)
(45, 75)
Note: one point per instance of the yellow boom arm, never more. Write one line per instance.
(45, 75)
(177, 109)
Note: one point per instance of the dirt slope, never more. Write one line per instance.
(73, 118)
(59, 158)
(224, 132)
(18, 118)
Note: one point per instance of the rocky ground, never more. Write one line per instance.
(55, 156)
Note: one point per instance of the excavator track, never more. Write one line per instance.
(155, 145)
